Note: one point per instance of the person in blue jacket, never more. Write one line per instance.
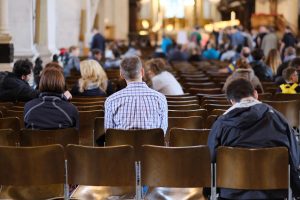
(51, 110)
(250, 123)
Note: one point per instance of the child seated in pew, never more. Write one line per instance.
(291, 85)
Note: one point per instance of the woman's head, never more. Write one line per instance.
(92, 73)
(52, 80)
(155, 66)
(273, 60)
(242, 64)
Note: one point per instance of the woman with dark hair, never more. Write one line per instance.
(51, 110)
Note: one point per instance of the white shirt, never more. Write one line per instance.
(244, 103)
(228, 55)
(166, 83)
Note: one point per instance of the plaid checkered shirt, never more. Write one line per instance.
(136, 107)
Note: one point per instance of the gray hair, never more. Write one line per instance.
(130, 67)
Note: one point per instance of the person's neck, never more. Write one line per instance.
(134, 81)
(250, 98)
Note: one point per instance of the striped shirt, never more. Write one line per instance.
(136, 107)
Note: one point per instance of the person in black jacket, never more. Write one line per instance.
(252, 124)
(261, 70)
(98, 41)
(51, 110)
(15, 86)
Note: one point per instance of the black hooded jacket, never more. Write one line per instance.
(257, 126)
(15, 89)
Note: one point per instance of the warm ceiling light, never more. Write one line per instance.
(169, 27)
(145, 24)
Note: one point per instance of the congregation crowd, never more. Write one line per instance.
(249, 59)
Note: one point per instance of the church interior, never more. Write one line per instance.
(149, 99)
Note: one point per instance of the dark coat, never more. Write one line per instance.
(257, 126)
(50, 111)
(93, 92)
(98, 42)
(15, 89)
(262, 71)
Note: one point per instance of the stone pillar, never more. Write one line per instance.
(67, 29)
(6, 46)
(21, 27)
(45, 29)
(289, 9)
(133, 18)
(121, 19)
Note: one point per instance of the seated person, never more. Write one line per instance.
(162, 80)
(112, 56)
(261, 70)
(14, 86)
(136, 106)
(96, 55)
(244, 70)
(211, 53)
(51, 110)
(178, 53)
(72, 62)
(244, 55)
(295, 63)
(291, 85)
(93, 81)
(250, 123)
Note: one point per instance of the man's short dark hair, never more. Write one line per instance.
(22, 67)
(257, 54)
(239, 89)
(130, 67)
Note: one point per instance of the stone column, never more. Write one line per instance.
(289, 9)
(21, 27)
(121, 19)
(6, 46)
(45, 29)
(133, 18)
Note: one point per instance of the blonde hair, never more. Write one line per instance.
(273, 60)
(92, 73)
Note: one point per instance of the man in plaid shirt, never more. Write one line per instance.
(136, 106)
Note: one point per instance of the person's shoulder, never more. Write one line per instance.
(32, 103)
(11, 78)
(68, 105)
(115, 96)
(157, 94)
